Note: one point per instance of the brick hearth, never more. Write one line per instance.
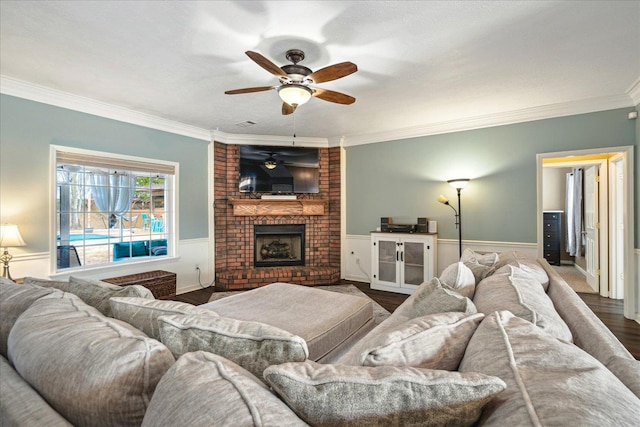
(234, 233)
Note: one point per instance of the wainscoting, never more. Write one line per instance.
(357, 264)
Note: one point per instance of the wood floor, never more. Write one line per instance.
(608, 310)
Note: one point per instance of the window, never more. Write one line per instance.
(112, 209)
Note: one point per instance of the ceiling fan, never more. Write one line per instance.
(295, 81)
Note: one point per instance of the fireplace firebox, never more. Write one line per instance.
(278, 245)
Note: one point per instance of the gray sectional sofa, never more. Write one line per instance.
(496, 340)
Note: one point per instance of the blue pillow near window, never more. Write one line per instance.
(158, 250)
(121, 250)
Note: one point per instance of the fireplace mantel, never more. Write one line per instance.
(261, 207)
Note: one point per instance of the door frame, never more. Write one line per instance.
(603, 203)
(626, 153)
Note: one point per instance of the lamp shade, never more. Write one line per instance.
(270, 163)
(10, 236)
(458, 183)
(294, 94)
(443, 199)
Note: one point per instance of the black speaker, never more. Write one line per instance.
(423, 225)
(384, 223)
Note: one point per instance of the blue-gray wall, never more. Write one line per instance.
(402, 179)
(29, 128)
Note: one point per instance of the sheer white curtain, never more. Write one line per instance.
(113, 194)
(573, 209)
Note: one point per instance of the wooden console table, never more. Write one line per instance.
(256, 207)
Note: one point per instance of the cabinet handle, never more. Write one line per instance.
(397, 255)
(402, 256)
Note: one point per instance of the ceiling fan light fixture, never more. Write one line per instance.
(270, 163)
(294, 94)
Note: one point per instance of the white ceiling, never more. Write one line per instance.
(421, 63)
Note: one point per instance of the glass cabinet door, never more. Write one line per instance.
(387, 261)
(414, 259)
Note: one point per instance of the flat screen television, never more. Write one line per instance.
(278, 170)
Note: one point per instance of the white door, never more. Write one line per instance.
(591, 226)
(617, 229)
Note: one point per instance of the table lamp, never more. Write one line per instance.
(9, 237)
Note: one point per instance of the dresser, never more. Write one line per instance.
(552, 236)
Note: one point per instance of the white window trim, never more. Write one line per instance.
(172, 202)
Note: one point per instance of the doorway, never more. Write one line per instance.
(608, 252)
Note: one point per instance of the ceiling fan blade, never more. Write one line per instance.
(332, 96)
(287, 109)
(333, 72)
(266, 64)
(248, 90)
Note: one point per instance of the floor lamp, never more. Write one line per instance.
(458, 184)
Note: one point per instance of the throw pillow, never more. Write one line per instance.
(436, 341)
(432, 297)
(549, 382)
(459, 277)
(513, 289)
(340, 395)
(97, 293)
(488, 259)
(533, 269)
(14, 300)
(479, 271)
(238, 399)
(252, 345)
(143, 313)
(507, 256)
(91, 369)
(62, 285)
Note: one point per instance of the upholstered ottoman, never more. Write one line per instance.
(328, 321)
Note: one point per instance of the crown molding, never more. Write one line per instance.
(246, 139)
(33, 92)
(634, 92)
(498, 119)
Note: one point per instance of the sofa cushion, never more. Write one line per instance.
(488, 259)
(62, 285)
(96, 293)
(435, 341)
(627, 370)
(143, 313)
(20, 405)
(460, 278)
(203, 389)
(588, 331)
(14, 300)
(511, 288)
(92, 369)
(549, 382)
(432, 297)
(340, 395)
(252, 345)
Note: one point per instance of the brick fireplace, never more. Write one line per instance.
(237, 215)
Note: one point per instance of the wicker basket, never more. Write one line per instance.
(162, 284)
